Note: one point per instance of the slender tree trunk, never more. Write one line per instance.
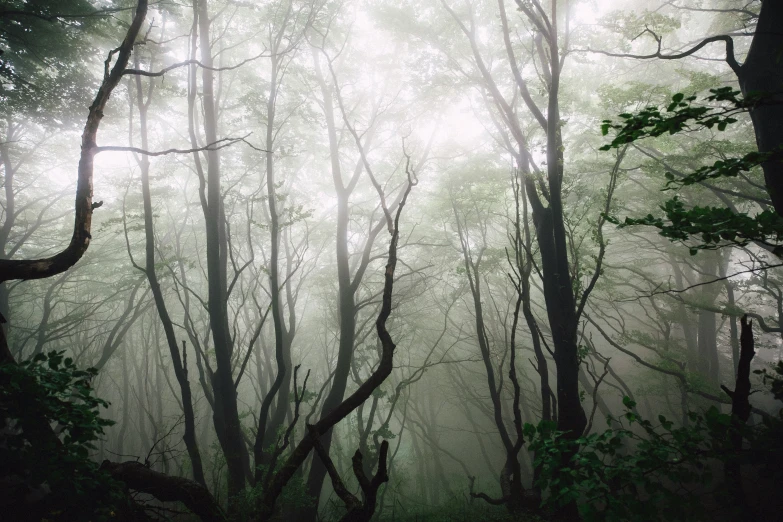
(510, 475)
(125, 404)
(264, 435)
(346, 307)
(685, 318)
(180, 371)
(225, 413)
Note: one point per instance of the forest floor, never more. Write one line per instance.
(458, 513)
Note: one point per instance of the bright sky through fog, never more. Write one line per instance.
(589, 11)
(458, 121)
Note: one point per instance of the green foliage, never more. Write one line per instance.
(713, 226)
(45, 54)
(384, 433)
(681, 114)
(642, 470)
(51, 420)
(728, 168)
(775, 380)
(621, 473)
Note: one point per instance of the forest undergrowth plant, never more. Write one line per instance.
(642, 470)
(294, 496)
(620, 473)
(50, 460)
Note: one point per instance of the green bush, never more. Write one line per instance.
(50, 421)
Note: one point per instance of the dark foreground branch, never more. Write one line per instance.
(358, 511)
(483, 496)
(658, 54)
(166, 488)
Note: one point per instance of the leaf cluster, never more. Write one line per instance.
(51, 420)
(681, 114)
(714, 226)
(635, 464)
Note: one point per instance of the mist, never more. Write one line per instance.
(392, 261)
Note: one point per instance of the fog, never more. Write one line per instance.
(414, 260)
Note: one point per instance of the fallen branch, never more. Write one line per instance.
(166, 488)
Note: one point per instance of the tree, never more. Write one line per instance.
(47, 267)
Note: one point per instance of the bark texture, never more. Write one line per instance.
(166, 488)
(762, 74)
(80, 240)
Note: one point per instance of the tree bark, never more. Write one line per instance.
(740, 411)
(762, 74)
(83, 205)
(165, 488)
(225, 413)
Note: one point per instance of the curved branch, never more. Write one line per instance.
(728, 41)
(83, 206)
(217, 145)
(717, 279)
(166, 488)
(483, 496)
(140, 72)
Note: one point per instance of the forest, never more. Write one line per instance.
(421, 260)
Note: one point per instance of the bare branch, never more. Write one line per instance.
(140, 72)
(217, 145)
(728, 41)
(680, 291)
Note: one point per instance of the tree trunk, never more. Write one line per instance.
(762, 74)
(346, 306)
(740, 413)
(280, 384)
(225, 413)
(180, 370)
